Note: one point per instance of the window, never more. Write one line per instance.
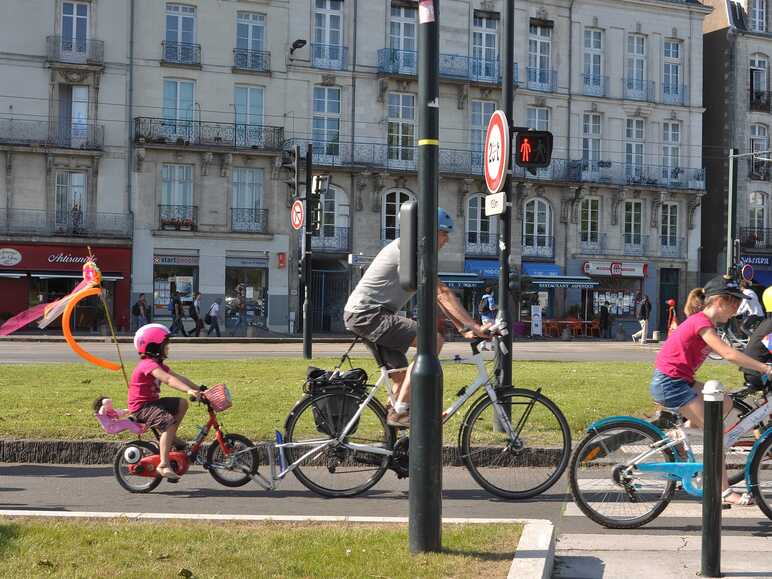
(591, 135)
(671, 150)
(178, 108)
(480, 229)
(328, 34)
(70, 201)
(392, 201)
(634, 149)
(635, 79)
(633, 213)
(326, 121)
(758, 212)
(177, 185)
(485, 48)
(589, 221)
(671, 82)
(247, 213)
(538, 118)
(758, 69)
(74, 30)
(537, 228)
(335, 215)
(758, 15)
(248, 106)
(401, 129)
(250, 42)
(481, 112)
(540, 57)
(593, 61)
(759, 143)
(402, 39)
(180, 34)
(73, 128)
(668, 225)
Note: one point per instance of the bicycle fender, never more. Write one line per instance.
(617, 419)
(766, 434)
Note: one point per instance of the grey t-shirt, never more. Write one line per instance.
(379, 287)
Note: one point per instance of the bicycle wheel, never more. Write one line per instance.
(337, 470)
(606, 489)
(530, 464)
(133, 483)
(237, 468)
(761, 477)
(737, 456)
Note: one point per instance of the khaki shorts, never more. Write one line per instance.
(392, 333)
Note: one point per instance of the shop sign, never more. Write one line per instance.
(615, 268)
(255, 262)
(9, 256)
(747, 259)
(68, 258)
(175, 260)
(485, 268)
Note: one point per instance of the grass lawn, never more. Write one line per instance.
(56, 548)
(54, 400)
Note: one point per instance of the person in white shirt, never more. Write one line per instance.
(750, 312)
(214, 318)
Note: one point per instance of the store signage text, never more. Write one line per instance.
(67, 258)
(751, 259)
(615, 268)
(9, 256)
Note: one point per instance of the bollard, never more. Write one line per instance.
(713, 461)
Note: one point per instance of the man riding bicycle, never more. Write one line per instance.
(371, 313)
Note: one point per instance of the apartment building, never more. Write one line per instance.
(738, 46)
(63, 142)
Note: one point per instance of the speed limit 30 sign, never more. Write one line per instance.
(496, 152)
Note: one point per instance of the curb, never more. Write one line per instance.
(535, 553)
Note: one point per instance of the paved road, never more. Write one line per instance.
(36, 352)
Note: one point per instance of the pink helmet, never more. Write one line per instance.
(150, 338)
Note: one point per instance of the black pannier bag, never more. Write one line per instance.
(332, 413)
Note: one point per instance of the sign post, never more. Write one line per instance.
(307, 256)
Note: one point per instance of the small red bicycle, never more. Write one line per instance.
(231, 459)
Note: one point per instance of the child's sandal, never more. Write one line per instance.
(167, 473)
(746, 499)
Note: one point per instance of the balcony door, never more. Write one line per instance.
(180, 34)
(334, 226)
(72, 131)
(70, 202)
(481, 230)
(402, 40)
(177, 196)
(485, 54)
(537, 229)
(328, 34)
(178, 109)
(247, 201)
(539, 57)
(74, 31)
(250, 40)
(481, 112)
(248, 102)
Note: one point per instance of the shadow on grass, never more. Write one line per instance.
(8, 533)
(479, 555)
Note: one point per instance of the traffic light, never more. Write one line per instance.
(290, 159)
(533, 149)
(319, 186)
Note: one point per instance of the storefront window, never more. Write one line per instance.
(170, 278)
(89, 314)
(621, 301)
(246, 298)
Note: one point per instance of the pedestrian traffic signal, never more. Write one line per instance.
(290, 158)
(319, 186)
(533, 149)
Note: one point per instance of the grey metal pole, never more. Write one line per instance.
(730, 211)
(307, 337)
(713, 457)
(426, 379)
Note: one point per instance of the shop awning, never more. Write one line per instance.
(461, 280)
(13, 274)
(50, 275)
(564, 281)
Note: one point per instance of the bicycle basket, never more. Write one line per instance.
(219, 397)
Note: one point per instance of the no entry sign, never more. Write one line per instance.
(296, 215)
(496, 152)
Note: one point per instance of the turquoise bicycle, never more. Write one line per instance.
(625, 471)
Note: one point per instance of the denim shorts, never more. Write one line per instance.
(672, 393)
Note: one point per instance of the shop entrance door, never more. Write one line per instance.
(329, 294)
(668, 289)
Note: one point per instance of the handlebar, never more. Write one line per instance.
(496, 330)
(202, 399)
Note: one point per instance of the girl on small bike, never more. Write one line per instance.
(164, 414)
(673, 385)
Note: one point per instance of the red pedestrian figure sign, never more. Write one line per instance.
(296, 215)
(496, 152)
(525, 150)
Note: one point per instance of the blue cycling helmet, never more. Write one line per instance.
(444, 220)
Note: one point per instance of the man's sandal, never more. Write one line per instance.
(746, 499)
(167, 473)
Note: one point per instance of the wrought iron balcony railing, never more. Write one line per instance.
(479, 244)
(71, 223)
(75, 50)
(328, 56)
(173, 52)
(179, 217)
(675, 94)
(635, 244)
(67, 135)
(672, 246)
(542, 79)
(756, 237)
(537, 245)
(205, 133)
(254, 60)
(760, 100)
(637, 89)
(249, 220)
(595, 85)
(592, 242)
(332, 239)
(393, 61)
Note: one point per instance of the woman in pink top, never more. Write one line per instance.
(673, 385)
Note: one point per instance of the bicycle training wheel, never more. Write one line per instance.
(337, 469)
(526, 466)
(237, 468)
(134, 451)
(761, 477)
(610, 492)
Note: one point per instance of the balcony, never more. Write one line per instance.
(328, 56)
(592, 243)
(758, 170)
(637, 89)
(542, 246)
(251, 60)
(332, 239)
(207, 134)
(755, 238)
(392, 61)
(541, 79)
(178, 217)
(249, 220)
(672, 246)
(183, 53)
(75, 50)
(480, 245)
(635, 244)
(595, 85)
(675, 94)
(760, 100)
(41, 133)
(74, 223)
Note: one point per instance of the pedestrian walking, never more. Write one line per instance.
(605, 321)
(487, 307)
(177, 316)
(644, 312)
(213, 318)
(140, 314)
(195, 313)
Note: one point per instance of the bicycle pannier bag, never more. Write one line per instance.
(332, 413)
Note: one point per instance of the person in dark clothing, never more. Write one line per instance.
(140, 314)
(605, 321)
(644, 312)
(756, 347)
(195, 313)
(177, 315)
